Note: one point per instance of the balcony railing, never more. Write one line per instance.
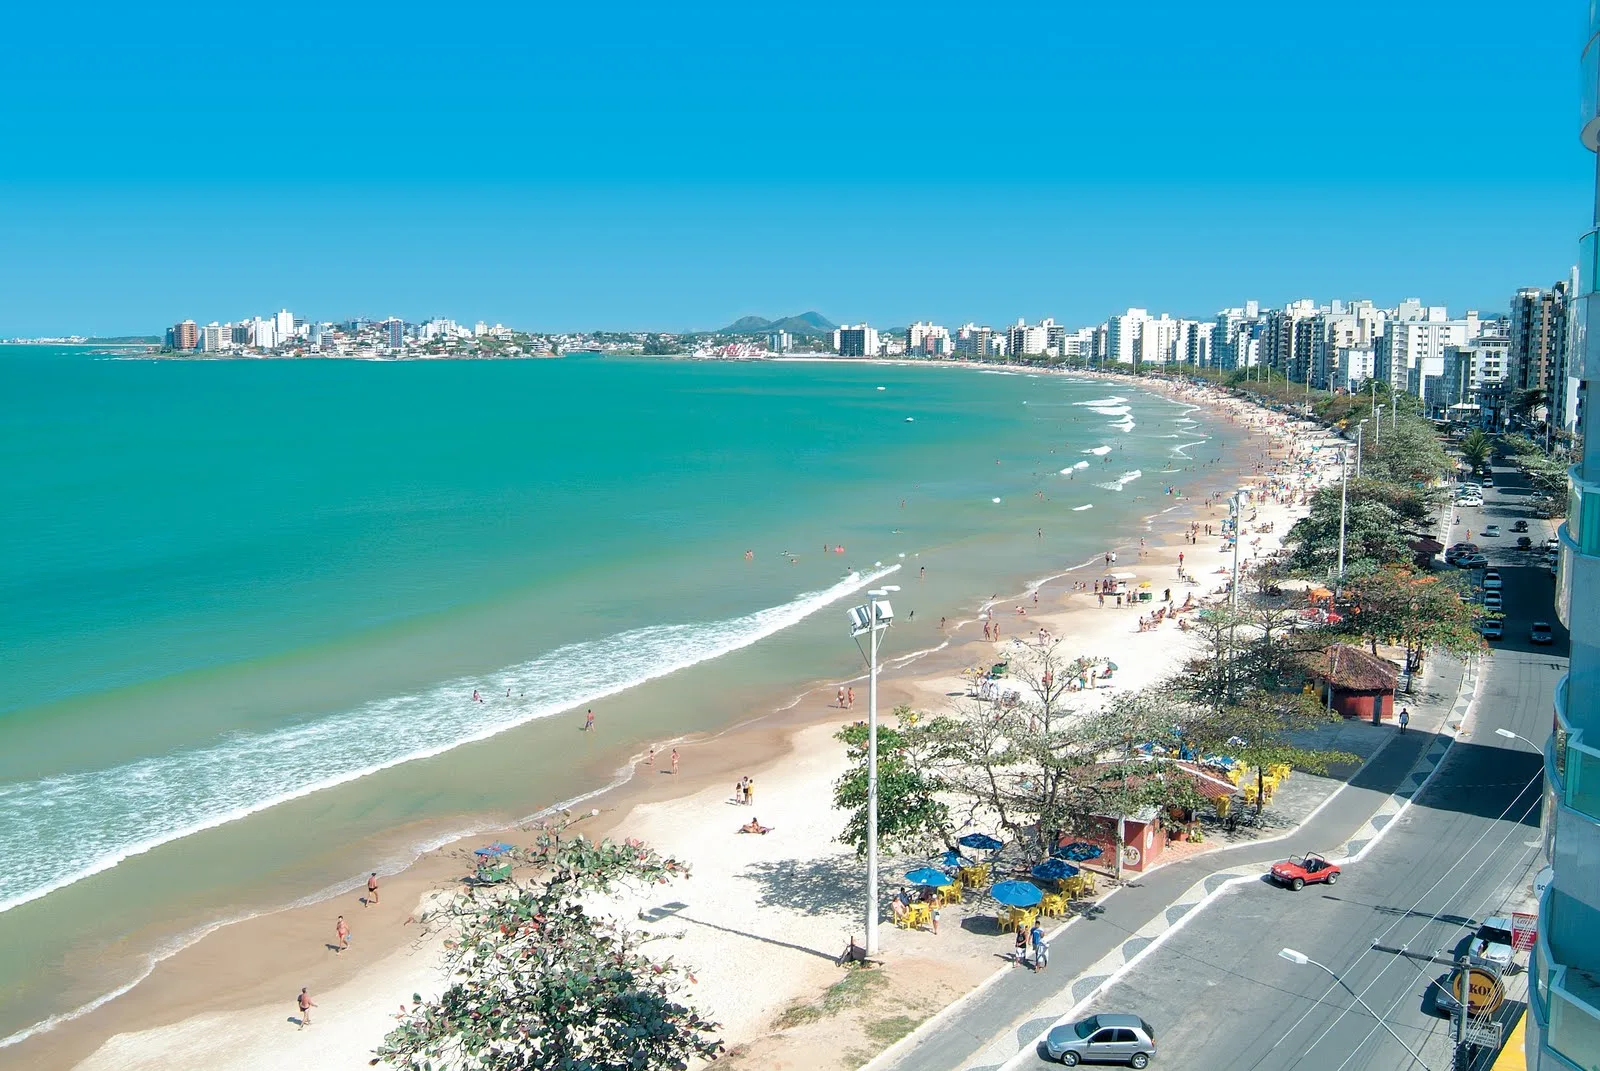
(1574, 1025)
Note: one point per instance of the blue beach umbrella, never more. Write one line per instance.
(928, 876)
(953, 859)
(980, 840)
(1017, 893)
(1054, 870)
(1078, 851)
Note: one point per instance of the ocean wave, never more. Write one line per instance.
(1181, 450)
(1092, 402)
(1125, 424)
(60, 830)
(1097, 450)
(1121, 481)
(1110, 410)
(1080, 509)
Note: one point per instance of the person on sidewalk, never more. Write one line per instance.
(1022, 945)
(1405, 718)
(1041, 951)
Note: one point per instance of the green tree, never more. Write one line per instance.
(1373, 534)
(1260, 729)
(1475, 449)
(1416, 611)
(538, 983)
(911, 813)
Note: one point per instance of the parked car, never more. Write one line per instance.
(1492, 944)
(1301, 870)
(1490, 531)
(1552, 544)
(1491, 599)
(1473, 561)
(1488, 481)
(1103, 1039)
(1540, 633)
(1524, 543)
(1492, 628)
(1519, 526)
(1492, 581)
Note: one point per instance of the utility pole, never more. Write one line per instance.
(1344, 488)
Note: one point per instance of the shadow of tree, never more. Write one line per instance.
(814, 886)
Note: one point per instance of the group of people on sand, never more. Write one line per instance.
(847, 698)
(744, 791)
(900, 903)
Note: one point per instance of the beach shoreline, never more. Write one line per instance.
(204, 981)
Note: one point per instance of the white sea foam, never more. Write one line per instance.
(1125, 424)
(1102, 401)
(1098, 450)
(1182, 449)
(1110, 410)
(1121, 481)
(62, 829)
(1080, 509)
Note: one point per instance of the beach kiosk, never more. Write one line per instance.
(1355, 682)
(1118, 583)
(494, 863)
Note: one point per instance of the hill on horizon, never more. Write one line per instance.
(807, 323)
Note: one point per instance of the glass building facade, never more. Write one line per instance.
(1564, 998)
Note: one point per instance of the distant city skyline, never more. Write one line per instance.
(675, 170)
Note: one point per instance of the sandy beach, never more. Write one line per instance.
(762, 918)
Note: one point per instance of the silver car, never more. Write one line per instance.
(1103, 1039)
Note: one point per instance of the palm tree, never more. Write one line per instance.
(1475, 449)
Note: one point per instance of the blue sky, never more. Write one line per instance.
(677, 166)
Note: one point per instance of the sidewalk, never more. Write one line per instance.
(1008, 1011)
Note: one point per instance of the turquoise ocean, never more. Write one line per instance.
(244, 605)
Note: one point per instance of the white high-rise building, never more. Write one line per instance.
(264, 334)
(1158, 340)
(283, 326)
(928, 340)
(1411, 351)
(1025, 340)
(215, 337)
(976, 342)
(1124, 333)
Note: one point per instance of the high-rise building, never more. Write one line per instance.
(856, 340)
(927, 340)
(1471, 387)
(780, 342)
(975, 342)
(1411, 350)
(1028, 340)
(394, 334)
(1563, 1020)
(186, 336)
(215, 337)
(1124, 332)
(1538, 336)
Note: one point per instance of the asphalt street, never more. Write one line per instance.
(1218, 994)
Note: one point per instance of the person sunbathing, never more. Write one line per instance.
(754, 826)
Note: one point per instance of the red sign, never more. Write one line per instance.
(1524, 930)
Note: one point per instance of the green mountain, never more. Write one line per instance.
(807, 323)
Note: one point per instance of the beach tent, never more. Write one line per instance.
(1117, 583)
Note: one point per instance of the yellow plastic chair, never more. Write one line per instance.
(1087, 887)
(1052, 905)
(1279, 771)
(951, 894)
(918, 915)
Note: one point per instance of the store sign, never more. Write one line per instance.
(1524, 930)
(1478, 988)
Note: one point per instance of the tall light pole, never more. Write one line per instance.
(1378, 424)
(1344, 501)
(1301, 959)
(1237, 502)
(1359, 427)
(871, 619)
(1509, 735)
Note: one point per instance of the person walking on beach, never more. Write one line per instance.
(674, 761)
(341, 930)
(372, 890)
(749, 791)
(850, 697)
(588, 721)
(841, 697)
(650, 760)
(306, 1004)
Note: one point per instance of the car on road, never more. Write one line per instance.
(1488, 481)
(1540, 633)
(1103, 1039)
(1492, 944)
(1491, 531)
(1552, 544)
(1492, 628)
(1492, 581)
(1519, 526)
(1301, 870)
(1458, 551)
(1492, 600)
(1472, 561)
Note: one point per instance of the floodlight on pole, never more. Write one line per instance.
(1300, 959)
(870, 619)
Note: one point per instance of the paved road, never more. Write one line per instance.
(1216, 991)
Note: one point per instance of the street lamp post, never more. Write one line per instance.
(1344, 502)
(1359, 428)
(1378, 423)
(1509, 735)
(871, 619)
(1301, 959)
